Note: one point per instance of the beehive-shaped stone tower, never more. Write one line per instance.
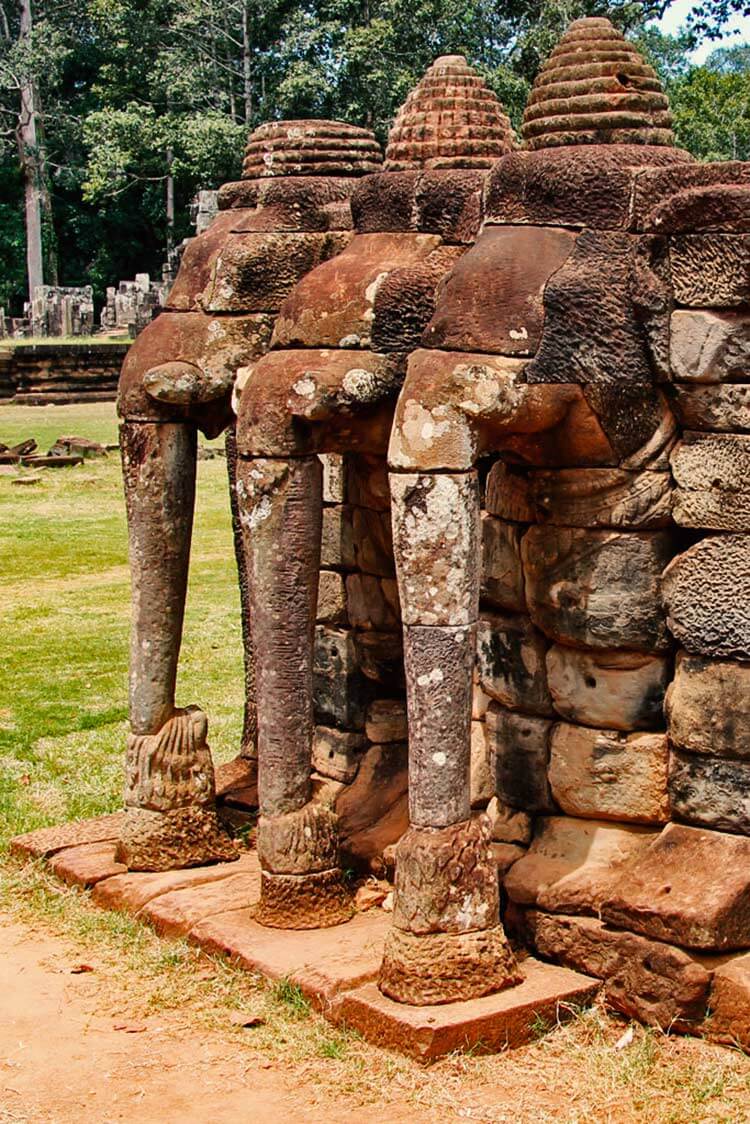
(310, 148)
(451, 119)
(595, 88)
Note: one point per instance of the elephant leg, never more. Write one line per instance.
(169, 789)
(446, 942)
(280, 507)
(249, 744)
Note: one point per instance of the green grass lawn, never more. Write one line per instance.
(64, 613)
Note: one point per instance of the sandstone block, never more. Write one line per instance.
(706, 592)
(689, 887)
(725, 409)
(337, 540)
(502, 575)
(519, 748)
(656, 983)
(710, 270)
(597, 589)
(729, 1004)
(708, 707)
(504, 855)
(436, 532)
(298, 843)
(86, 864)
(481, 781)
(48, 841)
(386, 721)
(570, 862)
(367, 481)
(373, 542)
(615, 690)
(449, 203)
(655, 185)
(331, 599)
(381, 658)
(510, 663)
(334, 477)
(340, 690)
(709, 347)
(602, 497)
(372, 811)
(609, 775)
(712, 473)
(508, 495)
(372, 603)
(405, 301)
(710, 791)
(508, 825)
(337, 753)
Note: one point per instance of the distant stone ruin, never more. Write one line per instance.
(132, 305)
(59, 311)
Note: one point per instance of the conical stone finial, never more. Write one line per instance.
(595, 88)
(451, 119)
(310, 148)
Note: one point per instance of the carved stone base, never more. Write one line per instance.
(181, 837)
(446, 967)
(303, 901)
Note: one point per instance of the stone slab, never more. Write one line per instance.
(321, 962)
(729, 1021)
(86, 864)
(174, 914)
(48, 840)
(507, 1019)
(130, 892)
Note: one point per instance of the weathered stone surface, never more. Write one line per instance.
(609, 775)
(337, 753)
(129, 893)
(296, 203)
(570, 863)
(689, 887)
(436, 534)
(597, 589)
(46, 841)
(372, 812)
(502, 575)
(656, 983)
(491, 301)
(712, 473)
(451, 119)
(198, 259)
(654, 187)
(446, 879)
(729, 1004)
(510, 663)
(481, 778)
(718, 208)
(709, 346)
(706, 592)
(175, 913)
(381, 658)
(434, 968)
(341, 692)
(725, 409)
(334, 305)
(373, 544)
(255, 272)
(496, 1022)
(300, 842)
(372, 603)
(384, 203)
(708, 707)
(337, 538)
(386, 721)
(335, 477)
(304, 901)
(439, 661)
(449, 203)
(508, 825)
(331, 599)
(710, 791)
(573, 185)
(190, 835)
(615, 690)
(367, 482)
(86, 864)
(601, 497)
(519, 748)
(507, 494)
(605, 353)
(616, 99)
(710, 269)
(405, 301)
(310, 147)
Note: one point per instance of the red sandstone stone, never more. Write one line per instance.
(174, 914)
(508, 1018)
(48, 840)
(131, 892)
(729, 1019)
(86, 864)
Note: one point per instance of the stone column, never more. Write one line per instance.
(169, 789)
(280, 505)
(446, 942)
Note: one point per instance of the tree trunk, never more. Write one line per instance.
(170, 205)
(29, 156)
(247, 87)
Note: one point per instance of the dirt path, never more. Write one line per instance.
(63, 1058)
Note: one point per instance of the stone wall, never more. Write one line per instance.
(63, 373)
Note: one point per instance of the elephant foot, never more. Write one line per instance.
(172, 840)
(304, 901)
(423, 969)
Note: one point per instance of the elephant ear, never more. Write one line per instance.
(185, 384)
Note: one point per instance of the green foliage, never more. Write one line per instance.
(712, 113)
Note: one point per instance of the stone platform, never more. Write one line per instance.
(336, 968)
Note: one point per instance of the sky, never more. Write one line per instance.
(678, 12)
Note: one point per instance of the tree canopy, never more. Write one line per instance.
(138, 103)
